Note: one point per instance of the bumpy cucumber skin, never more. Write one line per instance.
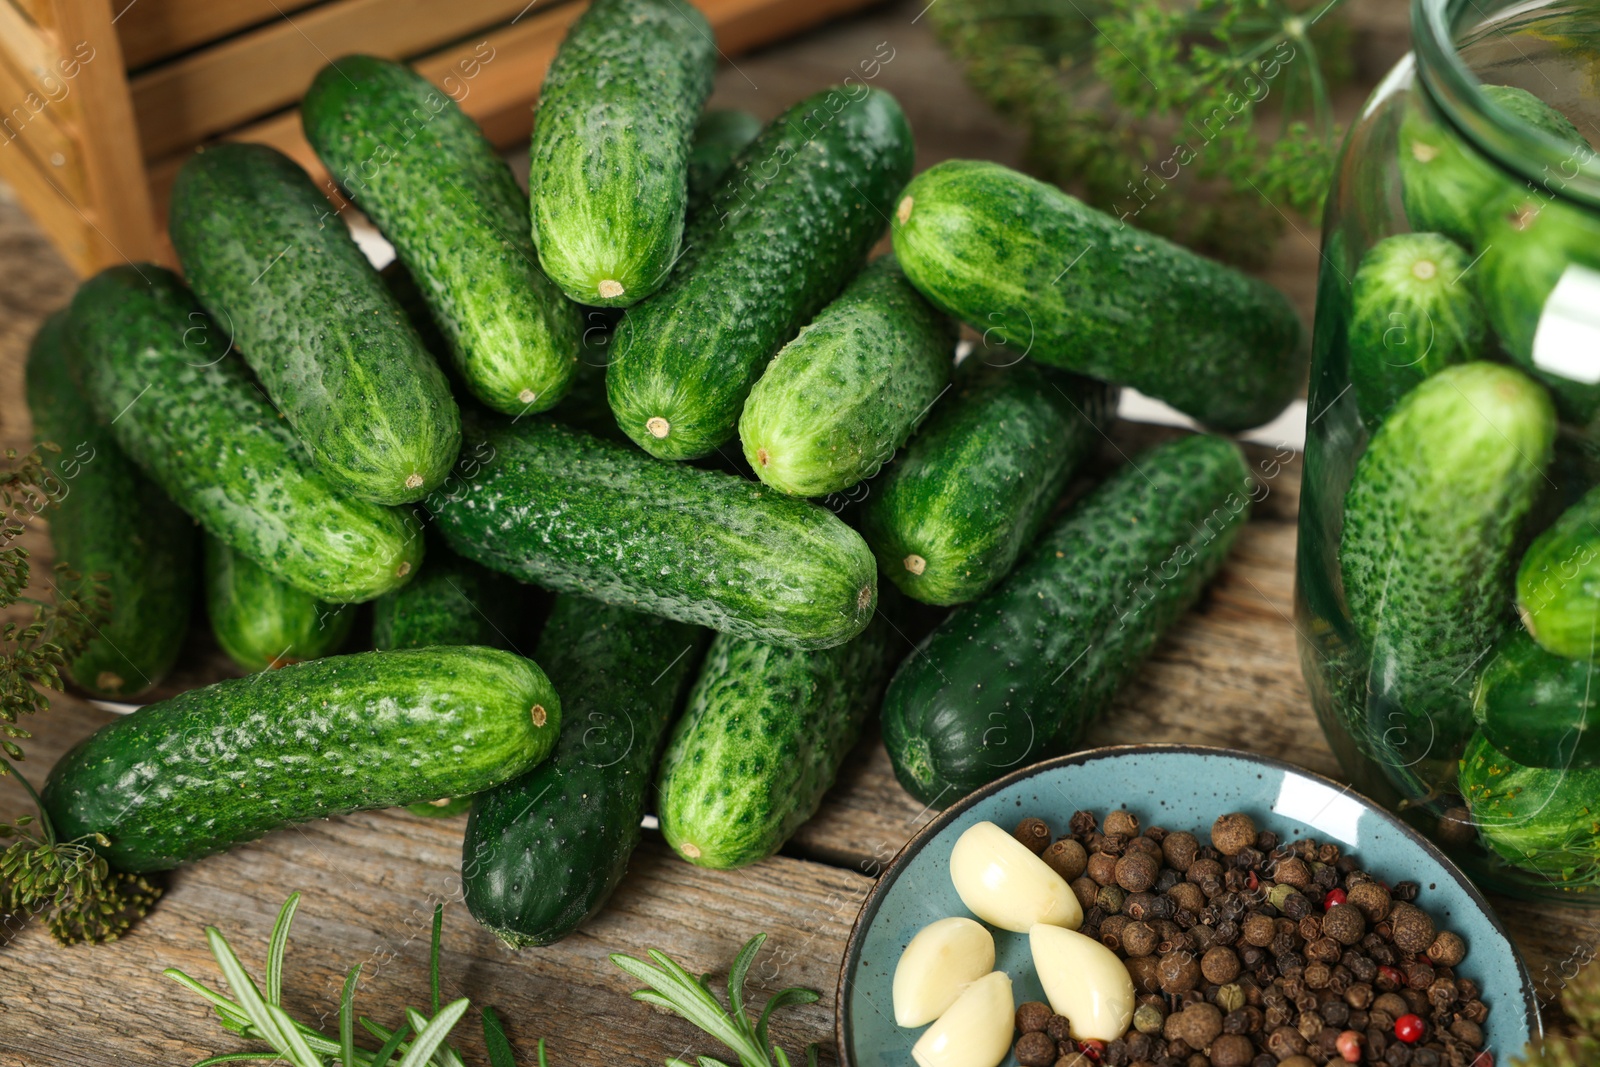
(554, 506)
(719, 137)
(1538, 708)
(544, 851)
(261, 622)
(276, 268)
(212, 767)
(1558, 582)
(425, 174)
(145, 353)
(836, 402)
(760, 743)
(1426, 555)
(1405, 326)
(610, 151)
(975, 485)
(1016, 676)
(1535, 818)
(792, 222)
(109, 521)
(1072, 287)
(453, 601)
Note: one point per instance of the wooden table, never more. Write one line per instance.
(1227, 675)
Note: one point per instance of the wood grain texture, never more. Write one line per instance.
(154, 29)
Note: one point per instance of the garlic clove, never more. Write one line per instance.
(1003, 883)
(941, 960)
(1083, 980)
(975, 1031)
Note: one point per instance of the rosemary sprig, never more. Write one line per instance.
(675, 989)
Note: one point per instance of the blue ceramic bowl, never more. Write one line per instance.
(1181, 787)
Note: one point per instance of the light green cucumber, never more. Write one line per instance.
(261, 622)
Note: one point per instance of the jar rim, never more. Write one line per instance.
(1549, 165)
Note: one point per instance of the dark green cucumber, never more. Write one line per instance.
(276, 268)
(212, 767)
(579, 514)
(261, 622)
(157, 370)
(543, 852)
(109, 523)
(1538, 819)
(1430, 519)
(426, 175)
(609, 161)
(1558, 582)
(792, 223)
(452, 601)
(835, 403)
(1073, 287)
(1540, 709)
(1412, 313)
(975, 485)
(719, 137)
(1447, 183)
(1016, 676)
(761, 741)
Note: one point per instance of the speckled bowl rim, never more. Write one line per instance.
(920, 839)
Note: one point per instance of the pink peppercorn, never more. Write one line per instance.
(1349, 1046)
(1409, 1028)
(1093, 1048)
(1333, 897)
(1483, 1059)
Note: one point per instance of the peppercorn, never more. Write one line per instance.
(1102, 867)
(1074, 1058)
(1180, 849)
(1136, 871)
(1219, 965)
(1413, 930)
(1110, 932)
(1032, 1016)
(1147, 846)
(1142, 969)
(1178, 972)
(1324, 950)
(1371, 898)
(1120, 822)
(1476, 1010)
(1336, 1012)
(1310, 1026)
(1292, 1061)
(1416, 1000)
(1067, 858)
(1291, 871)
(1110, 899)
(1149, 1019)
(1229, 997)
(1468, 1031)
(1345, 923)
(1033, 832)
(1442, 993)
(1391, 1004)
(1059, 1027)
(1405, 892)
(1448, 949)
(1418, 975)
(1349, 1046)
(1285, 1041)
(1139, 939)
(1232, 1050)
(1258, 930)
(1082, 822)
(1359, 996)
(1324, 876)
(1232, 833)
(1317, 975)
(1310, 927)
(1203, 872)
(1187, 896)
(1110, 845)
(1085, 889)
(1196, 1026)
(1035, 1049)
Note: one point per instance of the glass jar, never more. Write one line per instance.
(1448, 579)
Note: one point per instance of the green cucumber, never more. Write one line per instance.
(609, 158)
(719, 137)
(1015, 677)
(275, 266)
(1445, 182)
(543, 852)
(1073, 287)
(780, 238)
(975, 485)
(1538, 819)
(426, 175)
(261, 622)
(452, 601)
(212, 767)
(760, 743)
(1412, 313)
(579, 514)
(837, 401)
(1539, 708)
(1430, 520)
(1558, 582)
(1530, 244)
(157, 370)
(108, 523)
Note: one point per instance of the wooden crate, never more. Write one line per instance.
(101, 101)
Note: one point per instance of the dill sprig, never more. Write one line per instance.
(1162, 114)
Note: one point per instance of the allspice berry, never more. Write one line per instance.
(1196, 1026)
(1344, 923)
(1413, 930)
(1232, 1050)
(1219, 965)
(1075, 1059)
(1121, 822)
(1139, 939)
(1291, 870)
(1103, 868)
(1149, 1019)
(1178, 972)
(1032, 1016)
(1067, 858)
(1180, 849)
(1033, 832)
(1447, 949)
(1035, 1049)
(1258, 930)
(1137, 871)
(1232, 834)
(1371, 898)
(1145, 972)
(1085, 889)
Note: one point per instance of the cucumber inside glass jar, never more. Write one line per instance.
(1448, 586)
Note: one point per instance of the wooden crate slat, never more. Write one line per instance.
(40, 134)
(152, 30)
(49, 207)
(29, 50)
(199, 96)
(745, 24)
(39, 11)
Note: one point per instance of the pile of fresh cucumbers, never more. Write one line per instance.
(323, 424)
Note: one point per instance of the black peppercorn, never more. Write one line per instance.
(1323, 950)
(1067, 858)
(1168, 878)
(1059, 1027)
(1405, 891)
(1035, 1049)
(1419, 975)
(1082, 822)
(1032, 1016)
(1033, 832)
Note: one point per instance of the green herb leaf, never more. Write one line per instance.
(497, 1044)
(433, 1035)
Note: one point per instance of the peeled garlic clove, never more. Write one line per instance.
(1002, 882)
(975, 1031)
(1083, 980)
(938, 963)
